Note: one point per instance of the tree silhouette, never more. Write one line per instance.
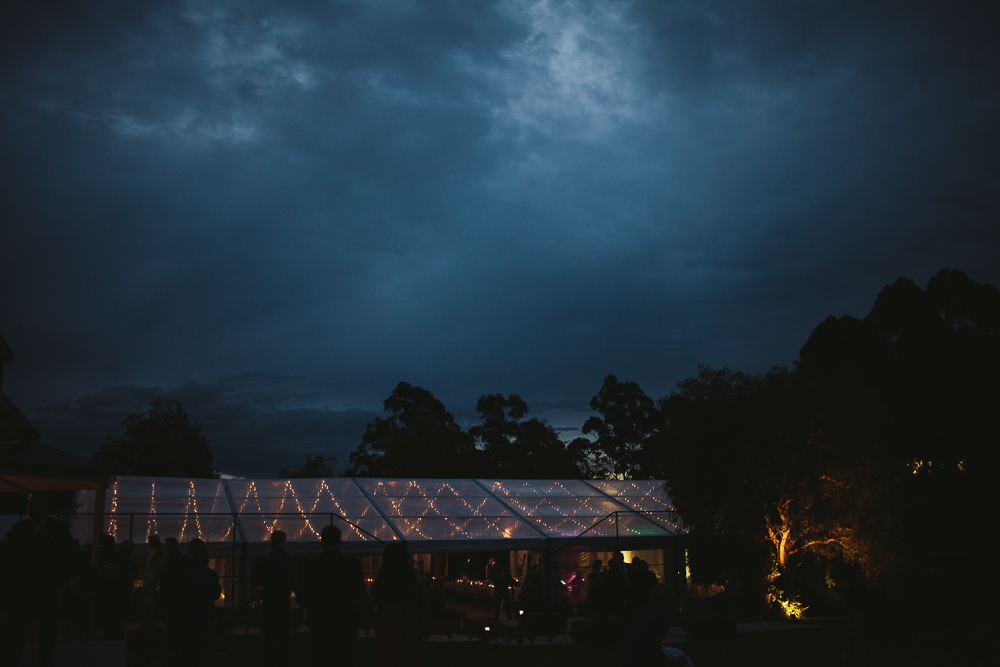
(316, 467)
(743, 460)
(520, 448)
(878, 432)
(910, 393)
(627, 418)
(162, 442)
(419, 438)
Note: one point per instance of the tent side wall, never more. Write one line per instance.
(235, 518)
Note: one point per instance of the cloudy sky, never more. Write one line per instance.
(275, 211)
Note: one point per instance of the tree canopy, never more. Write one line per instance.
(162, 442)
(627, 419)
(874, 436)
(744, 460)
(519, 448)
(883, 427)
(910, 392)
(316, 467)
(418, 438)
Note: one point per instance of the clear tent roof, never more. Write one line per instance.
(432, 515)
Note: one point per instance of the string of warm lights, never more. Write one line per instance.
(440, 509)
(252, 488)
(113, 519)
(648, 498)
(192, 504)
(397, 511)
(575, 509)
(448, 518)
(418, 509)
(339, 508)
(151, 523)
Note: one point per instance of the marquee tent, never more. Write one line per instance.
(432, 515)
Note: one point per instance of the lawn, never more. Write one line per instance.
(817, 647)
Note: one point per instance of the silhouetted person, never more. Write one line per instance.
(643, 642)
(574, 582)
(595, 590)
(332, 592)
(435, 597)
(398, 601)
(502, 595)
(640, 584)
(169, 599)
(151, 579)
(37, 558)
(76, 601)
(114, 585)
(200, 589)
(126, 549)
(276, 596)
(615, 585)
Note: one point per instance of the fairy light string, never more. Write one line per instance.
(151, 528)
(191, 505)
(340, 510)
(419, 509)
(113, 519)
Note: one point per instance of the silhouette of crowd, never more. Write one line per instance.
(330, 587)
(620, 589)
(50, 584)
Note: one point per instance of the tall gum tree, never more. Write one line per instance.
(418, 438)
(160, 442)
(627, 418)
(520, 448)
(742, 460)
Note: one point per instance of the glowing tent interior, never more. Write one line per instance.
(432, 515)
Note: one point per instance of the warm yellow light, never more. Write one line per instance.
(792, 608)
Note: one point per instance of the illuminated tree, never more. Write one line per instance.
(743, 461)
(910, 393)
(875, 434)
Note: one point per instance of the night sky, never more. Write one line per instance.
(274, 212)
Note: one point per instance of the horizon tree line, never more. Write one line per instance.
(883, 426)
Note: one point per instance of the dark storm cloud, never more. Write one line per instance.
(473, 197)
(256, 422)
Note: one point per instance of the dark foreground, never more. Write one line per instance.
(831, 643)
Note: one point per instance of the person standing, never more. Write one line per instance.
(113, 589)
(595, 590)
(502, 598)
(399, 605)
(615, 586)
(200, 589)
(642, 644)
(333, 591)
(170, 595)
(36, 561)
(151, 579)
(276, 596)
